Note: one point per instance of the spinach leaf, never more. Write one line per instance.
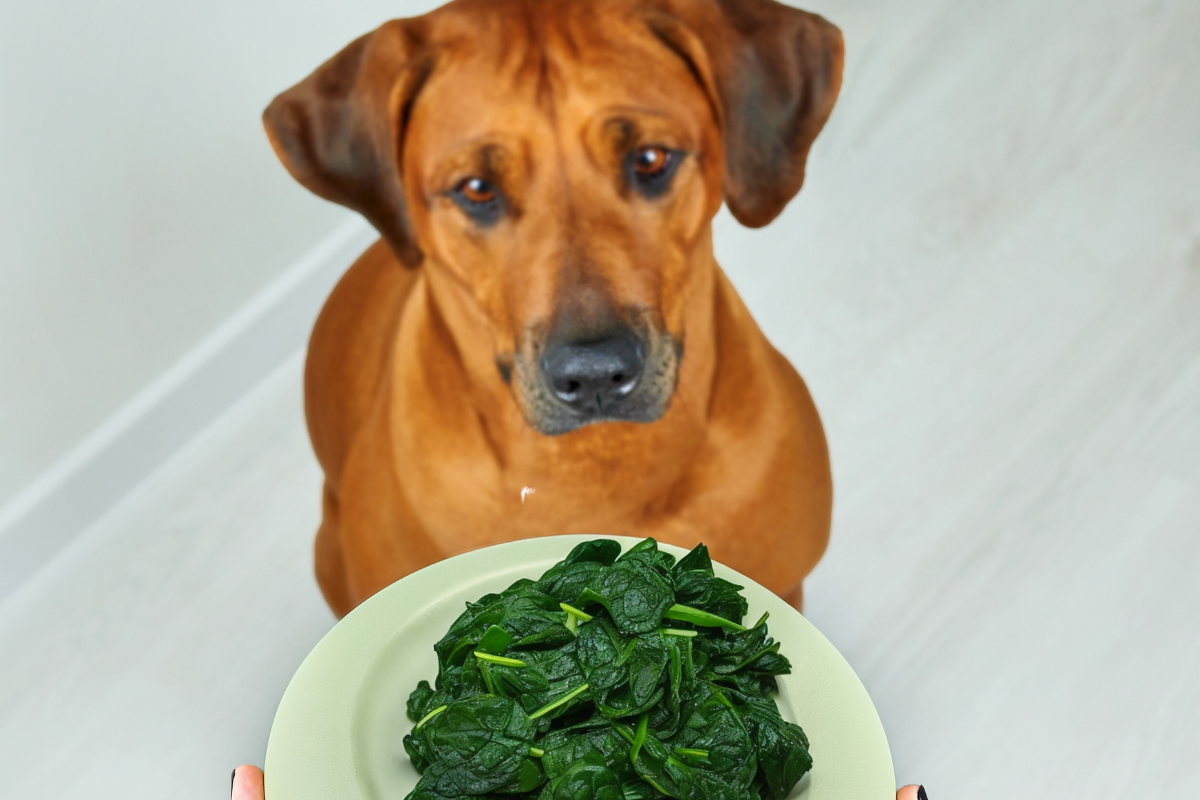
(477, 745)
(566, 582)
(424, 699)
(563, 746)
(566, 579)
(601, 551)
(646, 552)
(635, 595)
(697, 559)
(529, 616)
(714, 727)
(547, 675)
(747, 660)
(781, 746)
(701, 589)
(587, 778)
(626, 673)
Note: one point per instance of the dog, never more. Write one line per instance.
(542, 341)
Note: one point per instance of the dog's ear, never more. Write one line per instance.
(772, 73)
(340, 131)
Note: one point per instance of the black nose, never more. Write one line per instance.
(595, 375)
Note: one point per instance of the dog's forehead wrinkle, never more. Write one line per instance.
(547, 44)
(537, 57)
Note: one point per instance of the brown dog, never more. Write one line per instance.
(543, 342)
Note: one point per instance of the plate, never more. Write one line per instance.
(337, 734)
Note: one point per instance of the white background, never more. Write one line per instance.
(140, 204)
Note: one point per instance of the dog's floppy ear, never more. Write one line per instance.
(773, 73)
(339, 131)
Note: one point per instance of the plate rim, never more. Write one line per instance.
(300, 748)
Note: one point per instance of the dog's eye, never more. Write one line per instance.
(477, 190)
(650, 161)
(479, 199)
(650, 168)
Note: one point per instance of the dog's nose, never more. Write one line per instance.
(595, 375)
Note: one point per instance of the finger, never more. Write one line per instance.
(911, 792)
(247, 783)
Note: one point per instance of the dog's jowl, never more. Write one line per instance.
(542, 341)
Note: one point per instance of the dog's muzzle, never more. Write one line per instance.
(596, 377)
(618, 374)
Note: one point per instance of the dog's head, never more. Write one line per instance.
(557, 163)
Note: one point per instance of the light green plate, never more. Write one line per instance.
(337, 734)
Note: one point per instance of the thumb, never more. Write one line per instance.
(247, 783)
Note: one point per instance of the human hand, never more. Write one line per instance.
(248, 785)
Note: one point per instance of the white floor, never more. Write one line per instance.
(992, 284)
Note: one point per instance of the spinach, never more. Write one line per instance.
(625, 673)
(565, 580)
(475, 746)
(646, 553)
(587, 778)
(634, 593)
(529, 616)
(611, 677)
(781, 746)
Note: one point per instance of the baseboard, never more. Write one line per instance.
(49, 513)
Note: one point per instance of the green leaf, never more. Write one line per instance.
(495, 640)
(781, 746)
(697, 559)
(635, 595)
(646, 552)
(530, 617)
(600, 551)
(476, 746)
(717, 596)
(588, 778)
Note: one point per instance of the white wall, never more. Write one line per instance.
(140, 204)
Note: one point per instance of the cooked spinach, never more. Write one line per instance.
(612, 677)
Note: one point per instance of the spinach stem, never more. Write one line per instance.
(536, 752)
(698, 617)
(582, 616)
(639, 738)
(571, 695)
(687, 751)
(677, 632)
(430, 716)
(654, 783)
(503, 660)
(724, 700)
(487, 678)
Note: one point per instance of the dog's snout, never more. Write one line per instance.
(594, 376)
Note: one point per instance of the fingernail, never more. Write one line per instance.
(921, 793)
(232, 775)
